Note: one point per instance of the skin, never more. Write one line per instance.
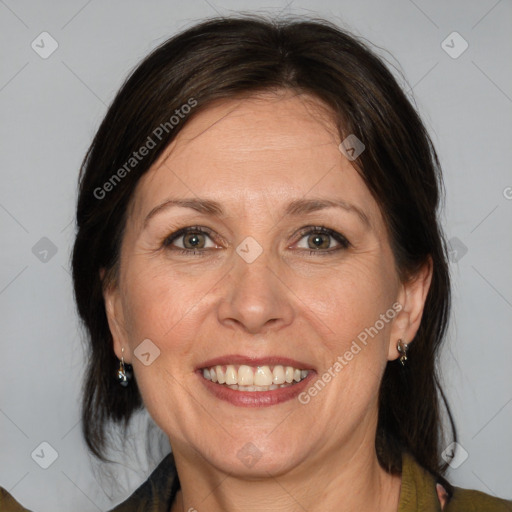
(254, 156)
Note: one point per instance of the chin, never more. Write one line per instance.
(256, 456)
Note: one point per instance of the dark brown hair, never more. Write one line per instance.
(228, 57)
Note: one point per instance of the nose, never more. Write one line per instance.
(256, 298)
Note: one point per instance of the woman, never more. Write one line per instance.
(259, 264)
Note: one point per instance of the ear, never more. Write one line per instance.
(412, 297)
(115, 317)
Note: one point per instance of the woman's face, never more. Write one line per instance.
(287, 264)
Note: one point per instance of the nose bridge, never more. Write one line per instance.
(255, 297)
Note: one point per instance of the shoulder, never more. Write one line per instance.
(158, 491)
(422, 490)
(467, 500)
(9, 504)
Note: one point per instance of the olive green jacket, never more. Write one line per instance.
(418, 493)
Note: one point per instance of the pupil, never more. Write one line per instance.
(194, 240)
(318, 241)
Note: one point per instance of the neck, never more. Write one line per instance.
(358, 483)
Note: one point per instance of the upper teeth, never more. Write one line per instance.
(245, 375)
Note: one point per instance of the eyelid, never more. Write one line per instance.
(340, 238)
(185, 231)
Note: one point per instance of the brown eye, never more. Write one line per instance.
(189, 239)
(193, 241)
(320, 240)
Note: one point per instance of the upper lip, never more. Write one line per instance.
(254, 361)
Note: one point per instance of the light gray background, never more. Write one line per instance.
(50, 111)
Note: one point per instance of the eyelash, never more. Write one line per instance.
(310, 230)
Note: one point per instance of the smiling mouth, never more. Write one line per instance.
(254, 378)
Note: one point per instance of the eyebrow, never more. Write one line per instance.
(294, 208)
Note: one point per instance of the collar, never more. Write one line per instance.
(418, 491)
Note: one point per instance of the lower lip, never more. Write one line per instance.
(256, 398)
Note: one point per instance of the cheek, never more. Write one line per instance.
(355, 352)
(159, 301)
(349, 300)
(162, 306)
(354, 310)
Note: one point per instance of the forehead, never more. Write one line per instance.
(274, 121)
(271, 147)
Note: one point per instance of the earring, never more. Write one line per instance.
(402, 349)
(122, 375)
